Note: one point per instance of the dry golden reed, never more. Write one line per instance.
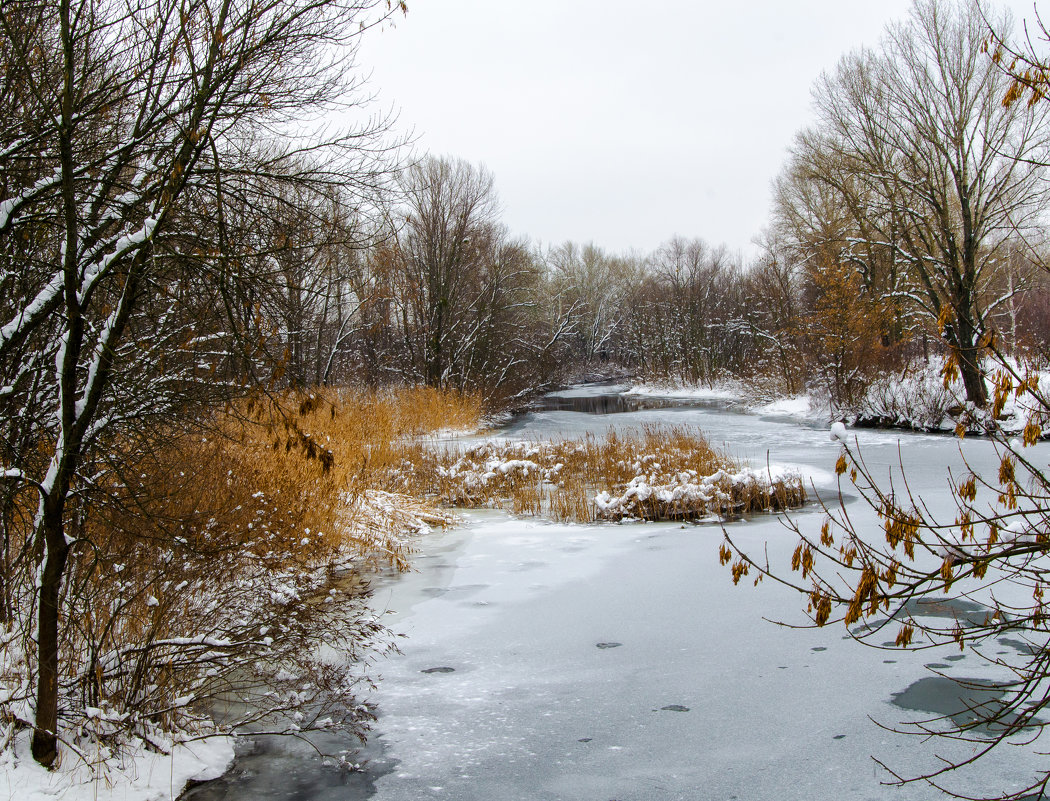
(299, 479)
(326, 454)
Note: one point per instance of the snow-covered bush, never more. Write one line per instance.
(912, 398)
(920, 398)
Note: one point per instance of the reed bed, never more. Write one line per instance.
(288, 483)
(326, 455)
(663, 473)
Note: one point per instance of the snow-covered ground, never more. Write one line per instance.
(799, 406)
(546, 661)
(699, 392)
(916, 399)
(138, 775)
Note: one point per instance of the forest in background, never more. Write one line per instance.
(448, 298)
(907, 234)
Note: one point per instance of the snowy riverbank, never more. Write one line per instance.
(915, 399)
(137, 774)
(799, 407)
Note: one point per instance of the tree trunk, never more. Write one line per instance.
(972, 377)
(45, 736)
(963, 335)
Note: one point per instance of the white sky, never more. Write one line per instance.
(621, 123)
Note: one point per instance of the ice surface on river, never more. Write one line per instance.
(551, 661)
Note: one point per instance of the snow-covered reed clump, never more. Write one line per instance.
(660, 474)
(688, 496)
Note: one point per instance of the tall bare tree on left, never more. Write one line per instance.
(126, 128)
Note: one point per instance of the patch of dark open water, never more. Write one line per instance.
(975, 703)
(968, 613)
(619, 404)
(280, 767)
(613, 402)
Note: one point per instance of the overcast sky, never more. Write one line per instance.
(621, 123)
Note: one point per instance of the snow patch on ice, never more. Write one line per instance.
(657, 390)
(797, 406)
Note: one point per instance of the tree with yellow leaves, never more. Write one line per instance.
(843, 332)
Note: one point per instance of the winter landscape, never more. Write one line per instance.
(318, 480)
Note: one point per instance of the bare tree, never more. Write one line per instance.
(305, 245)
(934, 172)
(596, 285)
(451, 206)
(127, 128)
(465, 292)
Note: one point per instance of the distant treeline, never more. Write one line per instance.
(446, 297)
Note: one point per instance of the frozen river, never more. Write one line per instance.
(619, 662)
